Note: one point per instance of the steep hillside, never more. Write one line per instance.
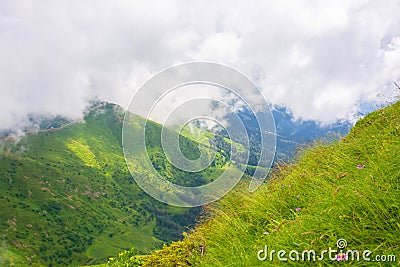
(67, 198)
(346, 190)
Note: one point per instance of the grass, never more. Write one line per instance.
(83, 152)
(7, 257)
(142, 238)
(349, 189)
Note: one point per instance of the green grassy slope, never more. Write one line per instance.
(67, 198)
(349, 189)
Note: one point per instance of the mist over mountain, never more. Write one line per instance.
(327, 72)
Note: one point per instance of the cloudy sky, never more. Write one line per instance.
(319, 58)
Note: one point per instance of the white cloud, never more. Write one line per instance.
(220, 47)
(319, 58)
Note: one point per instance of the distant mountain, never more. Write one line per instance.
(291, 133)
